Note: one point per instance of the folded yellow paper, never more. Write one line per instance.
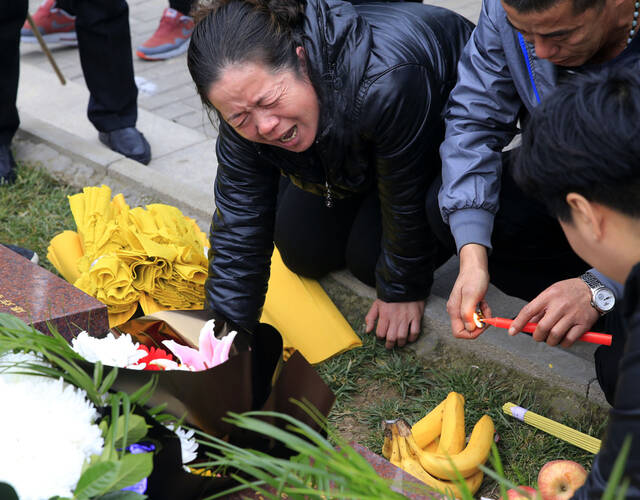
(305, 315)
(154, 257)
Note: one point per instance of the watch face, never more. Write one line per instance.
(604, 299)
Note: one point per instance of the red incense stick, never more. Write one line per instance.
(592, 337)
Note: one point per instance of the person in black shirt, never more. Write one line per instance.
(580, 155)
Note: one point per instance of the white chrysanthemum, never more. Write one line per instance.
(47, 432)
(14, 367)
(121, 352)
(188, 444)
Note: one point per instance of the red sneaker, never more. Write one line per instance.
(170, 39)
(55, 25)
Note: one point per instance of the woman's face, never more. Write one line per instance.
(280, 109)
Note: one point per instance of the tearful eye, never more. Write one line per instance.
(240, 123)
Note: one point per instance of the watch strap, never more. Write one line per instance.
(592, 282)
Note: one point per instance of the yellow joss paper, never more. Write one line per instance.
(64, 251)
(305, 315)
(124, 257)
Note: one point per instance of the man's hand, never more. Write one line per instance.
(469, 291)
(563, 313)
(397, 321)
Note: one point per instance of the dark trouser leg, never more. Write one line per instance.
(182, 6)
(104, 42)
(12, 16)
(311, 237)
(530, 251)
(363, 246)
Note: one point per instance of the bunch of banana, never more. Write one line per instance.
(434, 449)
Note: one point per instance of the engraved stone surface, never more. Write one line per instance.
(401, 482)
(36, 296)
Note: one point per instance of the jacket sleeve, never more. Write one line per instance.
(624, 417)
(481, 120)
(406, 131)
(241, 233)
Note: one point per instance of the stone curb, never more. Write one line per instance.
(95, 164)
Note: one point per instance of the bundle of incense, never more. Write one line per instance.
(592, 337)
(572, 436)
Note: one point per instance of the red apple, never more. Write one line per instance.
(559, 479)
(528, 493)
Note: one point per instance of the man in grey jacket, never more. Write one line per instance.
(514, 59)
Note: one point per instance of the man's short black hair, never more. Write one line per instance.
(526, 6)
(585, 138)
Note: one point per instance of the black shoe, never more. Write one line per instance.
(128, 142)
(7, 165)
(26, 253)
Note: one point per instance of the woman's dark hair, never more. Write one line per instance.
(584, 138)
(237, 31)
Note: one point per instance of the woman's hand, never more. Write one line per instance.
(397, 321)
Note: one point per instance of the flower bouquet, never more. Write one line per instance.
(255, 377)
(121, 407)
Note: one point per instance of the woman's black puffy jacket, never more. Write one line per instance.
(383, 72)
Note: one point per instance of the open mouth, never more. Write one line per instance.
(290, 135)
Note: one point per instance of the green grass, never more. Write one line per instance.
(34, 210)
(371, 384)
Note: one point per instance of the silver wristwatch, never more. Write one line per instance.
(602, 298)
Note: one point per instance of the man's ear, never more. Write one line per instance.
(587, 215)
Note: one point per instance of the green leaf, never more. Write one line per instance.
(96, 480)
(137, 429)
(123, 432)
(97, 374)
(108, 381)
(133, 468)
(7, 492)
(12, 322)
(122, 495)
(618, 470)
(144, 393)
(104, 477)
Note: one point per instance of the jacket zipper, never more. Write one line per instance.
(328, 197)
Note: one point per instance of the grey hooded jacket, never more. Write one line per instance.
(496, 85)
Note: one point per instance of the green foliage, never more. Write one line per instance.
(319, 470)
(618, 485)
(115, 468)
(7, 492)
(122, 495)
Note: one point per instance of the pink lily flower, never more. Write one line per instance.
(211, 352)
